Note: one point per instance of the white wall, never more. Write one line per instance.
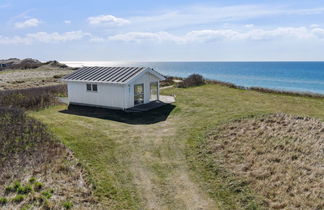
(108, 95)
(145, 79)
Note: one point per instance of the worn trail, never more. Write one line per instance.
(160, 170)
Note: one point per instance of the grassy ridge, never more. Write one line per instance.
(204, 108)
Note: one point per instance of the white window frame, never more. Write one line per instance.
(91, 89)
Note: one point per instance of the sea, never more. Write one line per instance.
(287, 76)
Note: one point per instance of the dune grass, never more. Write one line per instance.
(117, 154)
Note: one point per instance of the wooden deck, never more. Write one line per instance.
(152, 105)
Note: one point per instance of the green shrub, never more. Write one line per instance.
(47, 194)
(16, 185)
(38, 186)
(26, 207)
(192, 80)
(18, 198)
(3, 201)
(24, 190)
(67, 204)
(32, 180)
(9, 189)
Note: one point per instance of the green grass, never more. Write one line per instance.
(109, 149)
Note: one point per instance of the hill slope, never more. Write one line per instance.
(36, 170)
(139, 164)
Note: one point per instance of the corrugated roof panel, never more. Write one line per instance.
(121, 73)
(125, 79)
(105, 74)
(115, 71)
(133, 72)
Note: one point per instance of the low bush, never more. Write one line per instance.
(16, 185)
(9, 189)
(3, 201)
(38, 186)
(24, 189)
(67, 204)
(32, 180)
(18, 198)
(192, 80)
(32, 98)
(47, 194)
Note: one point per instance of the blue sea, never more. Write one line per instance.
(289, 76)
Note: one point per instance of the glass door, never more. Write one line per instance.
(154, 91)
(138, 94)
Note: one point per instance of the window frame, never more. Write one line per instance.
(92, 85)
(93, 89)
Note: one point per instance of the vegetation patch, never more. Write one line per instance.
(191, 81)
(32, 98)
(35, 168)
(278, 156)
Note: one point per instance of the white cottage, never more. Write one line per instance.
(113, 87)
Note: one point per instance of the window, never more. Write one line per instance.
(92, 87)
(88, 87)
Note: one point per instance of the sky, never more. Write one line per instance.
(168, 30)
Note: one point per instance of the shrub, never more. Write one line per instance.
(58, 76)
(47, 194)
(192, 80)
(9, 189)
(18, 198)
(24, 190)
(3, 201)
(32, 180)
(16, 185)
(67, 204)
(38, 186)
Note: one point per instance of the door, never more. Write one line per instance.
(138, 94)
(154, 91)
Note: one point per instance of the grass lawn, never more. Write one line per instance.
(136, 164)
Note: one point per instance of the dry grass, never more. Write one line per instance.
(27, 151)
(29, 78)
(32, 98)
(279, 156)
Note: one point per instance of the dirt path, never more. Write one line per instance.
(160, 169)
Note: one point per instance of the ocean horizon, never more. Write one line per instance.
(298, 76)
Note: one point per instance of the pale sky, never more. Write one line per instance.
(168, 30)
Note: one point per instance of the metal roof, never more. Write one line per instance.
(120, 75)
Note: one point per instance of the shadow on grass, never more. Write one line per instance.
(136, 118)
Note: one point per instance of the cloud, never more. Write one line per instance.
(32, 22)
(214, 35)
(67, 21)
(249, 25)
(107, 20)
(4, 5)
(143, 36)
(45, 37)
(195, 36)
(203, 15)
